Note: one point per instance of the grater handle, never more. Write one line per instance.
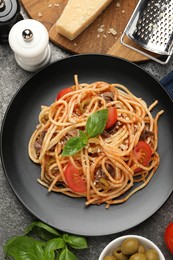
(142, 52)
(119, 50)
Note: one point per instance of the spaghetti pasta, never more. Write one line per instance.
(82, 155)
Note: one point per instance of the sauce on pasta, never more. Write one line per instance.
(108, 167)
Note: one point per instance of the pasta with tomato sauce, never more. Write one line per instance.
(98, 141)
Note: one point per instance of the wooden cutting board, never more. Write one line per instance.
(102, 36)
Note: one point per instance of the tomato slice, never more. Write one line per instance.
(112, 117)
(73, 179)
(168, 237)
(142, 153)
(63, 92)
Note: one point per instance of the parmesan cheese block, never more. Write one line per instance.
(78, 15)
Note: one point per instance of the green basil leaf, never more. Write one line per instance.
(54, 244)
(66, 254)
(49, 255)
(83, 136)
(43, 230)
(24, 248)
(75, 144)
(75, 241)
(96, 123)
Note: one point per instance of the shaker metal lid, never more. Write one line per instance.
(2, 5)
(8, 9)
(28, 38)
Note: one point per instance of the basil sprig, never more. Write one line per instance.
(95, 125)
(50, 244)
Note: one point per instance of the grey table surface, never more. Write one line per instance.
(14, 217)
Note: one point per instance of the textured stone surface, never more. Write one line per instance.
(14, 217)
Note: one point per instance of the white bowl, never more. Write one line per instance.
(117, 242)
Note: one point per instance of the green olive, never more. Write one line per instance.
(119, 255)
(130, 246)
(138, 256)
(141, 249)
(110, 257)
(104, 183)
(151, 254)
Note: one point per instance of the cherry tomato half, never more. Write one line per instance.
(168, 237)
(73, 179)
(112, 117)
(63, 92)
(142, 153)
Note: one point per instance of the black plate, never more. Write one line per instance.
(58, 210)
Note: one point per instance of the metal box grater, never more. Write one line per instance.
(151, 27)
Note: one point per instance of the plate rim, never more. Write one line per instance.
(18, 91)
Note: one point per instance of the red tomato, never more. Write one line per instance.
(168, 237)
(63, 92)
(73, 179)
(142, 153)
(112, 117)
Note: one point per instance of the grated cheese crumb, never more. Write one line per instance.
(101, 28)
(118, 4)
(112, 31)
(40, 14)
(123, 147)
